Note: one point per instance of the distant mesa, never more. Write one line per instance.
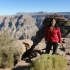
(42, 12)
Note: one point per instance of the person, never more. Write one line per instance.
(52, 36)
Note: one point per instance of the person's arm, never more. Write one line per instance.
(59, 35)
(46, 33)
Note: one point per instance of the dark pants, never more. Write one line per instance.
(49, 45)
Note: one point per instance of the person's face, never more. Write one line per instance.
(53, 22)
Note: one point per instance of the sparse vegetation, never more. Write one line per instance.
(64, 31)
(49, 62)
(6, 57)
(8, 52)
(68, 23)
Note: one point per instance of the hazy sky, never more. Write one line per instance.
(11, 7)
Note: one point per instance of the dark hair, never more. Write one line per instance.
(51, 24)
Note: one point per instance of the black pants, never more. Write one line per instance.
(49, 45)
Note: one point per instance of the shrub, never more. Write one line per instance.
(49, 62)
(6, 57)
(7, 50)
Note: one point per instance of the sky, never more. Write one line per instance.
(11, 7)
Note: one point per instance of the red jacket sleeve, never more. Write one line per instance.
(46, 32)
(59, 35)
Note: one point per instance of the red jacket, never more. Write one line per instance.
(54, 36)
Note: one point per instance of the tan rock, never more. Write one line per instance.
(40, 46)
(28, 41)
(20, 46)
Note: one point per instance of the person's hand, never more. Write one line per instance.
(58, 43)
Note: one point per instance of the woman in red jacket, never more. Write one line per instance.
(52, 36)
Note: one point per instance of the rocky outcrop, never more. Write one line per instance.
(66, 45)
(21, 46)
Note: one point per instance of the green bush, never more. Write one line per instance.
(8, 52)
(6, 57)
(48, 62)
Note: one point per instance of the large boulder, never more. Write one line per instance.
(21, 46)
(27, 41)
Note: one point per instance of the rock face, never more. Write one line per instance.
(20, 26)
